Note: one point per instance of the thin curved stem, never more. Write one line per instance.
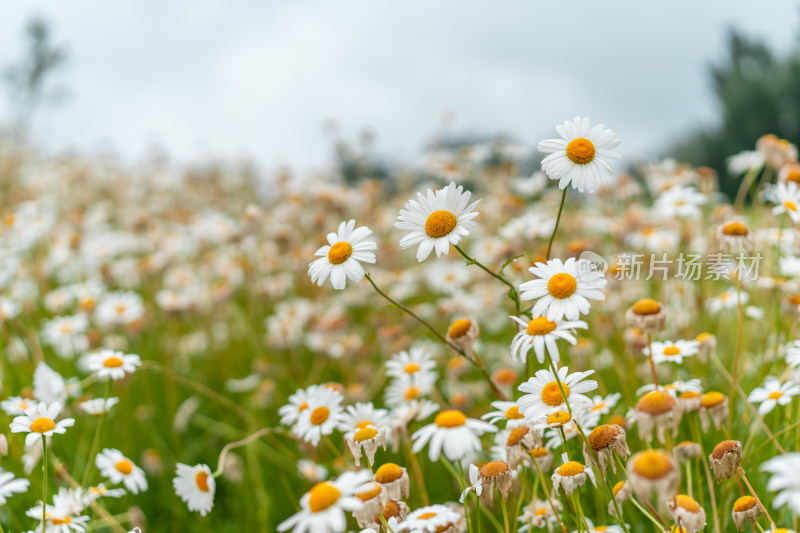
(740, 471)
(96, 439)
(738, 352)
(512, 291)
(233, 445)
(558, 219)
(477, 362)
(44, 484)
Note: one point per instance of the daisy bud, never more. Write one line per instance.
(605, 440)
(654, 471)
(725, 458)
(3, 445)
(647, 315)
(746, 509)
(656, 409)
(543, 457)
(687, 512)
(713, 406)
(622, 491)
(570, 476)
(735, 237)
(374, 499)
(707, 345)
(367, 438)
(394, 479)
(494, 474)
(463, 333)
(687, 450)
(519, 439)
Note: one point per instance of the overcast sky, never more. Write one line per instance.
(258, 78)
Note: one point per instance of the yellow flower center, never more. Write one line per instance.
(516, 435)
(775, 395)
(647, 306)
(656, 403)
(450, 419)
(459, 328)
(570, 469)
(541, 511)
(736, 229)
(410, 368)
(124, 466)
(340, 252)
(319, 415)
(363, 424)
(559, 418)
(365, 434)
(112, 362)
(388, 473)
(744, 503)
(42, 425)
(411, 393)
(618, 487)
(425, 516)
(671, 350)
(791, 206)
(302, 407)
(712, 399)
(540, 326)
(602, 436)
(652, 464)
(686, 502)
(580, 151)
(512, 413)
(373, 490)
(494, 469)
(702, 337)
(201, 480)
(61, 521)
(539, 452)
(562, 285)
(551, 393)
(322, 496)
(440, 223)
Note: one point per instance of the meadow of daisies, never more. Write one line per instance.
(469, 345)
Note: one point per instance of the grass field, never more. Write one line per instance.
(203, 273)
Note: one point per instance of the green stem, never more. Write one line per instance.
(505, 517)
(512, 290)
(96, 439)
(44, 484)
(547, 495)
(558, 219)
(477, 363)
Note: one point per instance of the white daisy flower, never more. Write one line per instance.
(792, 354)
(430, 519)
(603, 406)
(40, 420)
(341, 258)
(505, 411)
(679, 201)
(726, 300)
(15, 405)
(58, 519)
(361, 415)
(119, 308)
(111, 364)
(543, 394)
(321, 416)
(571, 475)
(323, 507)
(98, 406)
(453, 433)
(786, 197)
(298, 402)
(437, 220)
(773, 393)
(581, 156)
(119, 469)
(410, 362)
(672, 352)
(563, 289)
(541, 334)
(407, 388)
(784, 480)
(9, 485)
(195, 485)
